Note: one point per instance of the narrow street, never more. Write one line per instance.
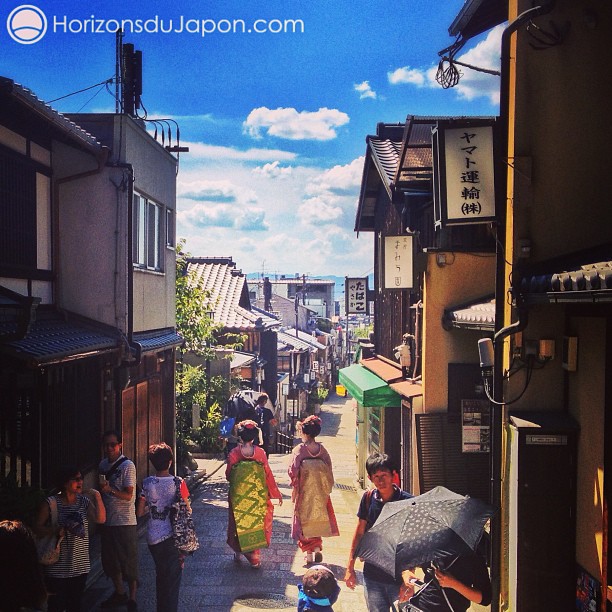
(213, 582)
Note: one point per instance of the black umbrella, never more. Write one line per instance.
(436, 525)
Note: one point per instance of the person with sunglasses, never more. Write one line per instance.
(119, 534)
(74, 509)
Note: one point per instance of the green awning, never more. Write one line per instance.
(367, 388)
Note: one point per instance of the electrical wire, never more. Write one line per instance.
(90, 99)
(107, 82)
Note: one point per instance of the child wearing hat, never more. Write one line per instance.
(319, 590)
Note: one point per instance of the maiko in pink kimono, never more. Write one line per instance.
(312, 480)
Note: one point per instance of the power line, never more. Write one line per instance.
(81, 90)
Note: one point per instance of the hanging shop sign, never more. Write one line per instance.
(464, 173)
(398, 262)
(356, 292)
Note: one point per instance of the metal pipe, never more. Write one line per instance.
(497, 415)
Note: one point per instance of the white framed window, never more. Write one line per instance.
(147, 220)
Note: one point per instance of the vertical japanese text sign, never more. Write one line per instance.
(464, 174)
(356, 291)
(398, 262)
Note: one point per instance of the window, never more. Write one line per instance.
(18, 244)
(147, 233)
(170, 231)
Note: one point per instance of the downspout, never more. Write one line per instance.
(497, 410)
(134, 347)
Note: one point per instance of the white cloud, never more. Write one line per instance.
(295, 125)
(486, 54)
(199, 150)
(216, 191)
(473, 84)
(412, 76)
(344, 180)
(252, 219)
(365, 90)
(273, 170)
(203, 216)
(302, 223)
(314, 211)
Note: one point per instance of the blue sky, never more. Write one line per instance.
(276, 121)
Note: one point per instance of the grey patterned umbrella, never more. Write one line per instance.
(436, 525)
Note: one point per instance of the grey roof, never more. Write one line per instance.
(286, 339)
(26, 98)
(282, 308)
(305, 337)
(158, 340)
(382, 156)
(229, 296)
(479, 315)
(240, 359)
(589, 282)
(52, 339)
(477, 16)
(385, 154)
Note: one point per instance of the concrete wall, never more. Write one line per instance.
(464, 278)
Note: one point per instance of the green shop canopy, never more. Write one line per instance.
(367, 388)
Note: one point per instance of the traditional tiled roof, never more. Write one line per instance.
(285, 340)
(475, 315)
(9, 90)
(589, 282)
(52, 339)
(304, 337)
(382, 155)
(240, 359)
(158, 340)
(229, 301)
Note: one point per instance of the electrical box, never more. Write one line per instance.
(542, 510)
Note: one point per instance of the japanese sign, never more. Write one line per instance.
(398, 262)
(464, 174)
(356, 292)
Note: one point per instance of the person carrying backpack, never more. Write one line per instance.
(119, 535)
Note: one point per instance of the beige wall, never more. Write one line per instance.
(546, 387)
(563, 101)
(465, 277)
(90, 246)
(586, 405)
(92, 229)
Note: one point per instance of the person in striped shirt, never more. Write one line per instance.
(76, 508)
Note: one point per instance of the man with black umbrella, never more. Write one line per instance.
(381, 589)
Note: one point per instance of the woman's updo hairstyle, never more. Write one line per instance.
(311, 426)
(248, 431)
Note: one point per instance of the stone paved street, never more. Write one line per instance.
(213, 582)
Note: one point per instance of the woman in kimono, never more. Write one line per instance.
(252, 488)
(312, 480)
